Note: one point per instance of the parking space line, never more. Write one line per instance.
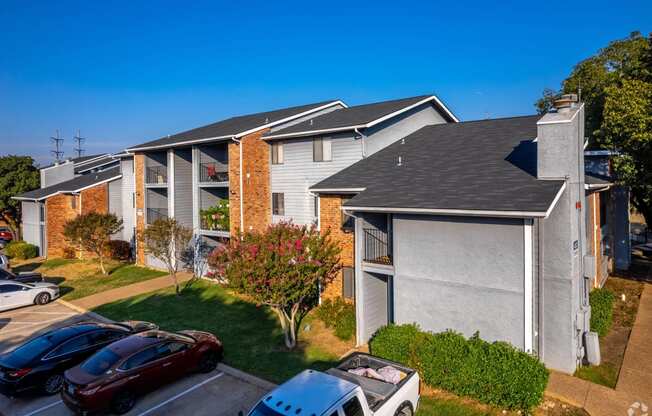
(22, 329)
(37, 411)
(176, 396)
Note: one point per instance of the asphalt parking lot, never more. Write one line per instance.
(222, 392)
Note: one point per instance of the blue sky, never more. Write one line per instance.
(125, 73)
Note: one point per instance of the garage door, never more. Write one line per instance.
(376, 301)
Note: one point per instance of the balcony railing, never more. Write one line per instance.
(212, 172)
(211, 226)
(376, 246)
(156, 175)
(154, 214)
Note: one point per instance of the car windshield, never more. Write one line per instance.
(100, 362)
(29, 351)
(263, 410)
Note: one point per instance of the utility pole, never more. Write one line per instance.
(79, 140)
(58, 143)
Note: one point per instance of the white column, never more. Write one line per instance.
(528, 276)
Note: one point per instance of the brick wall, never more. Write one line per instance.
(95, 199)
(139, 172)
(256, 183)
(595, 235)
(59, 210)
(330, 218)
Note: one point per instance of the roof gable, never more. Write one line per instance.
(73, 185)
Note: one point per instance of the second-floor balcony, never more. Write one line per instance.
(154, 214)
(377, 246)
(211, 172)
(156, 175)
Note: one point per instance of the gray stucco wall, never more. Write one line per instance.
(376, 301)
(115, 197)
(460, 273)
(183, 186)
(57, 174)
(31, 224)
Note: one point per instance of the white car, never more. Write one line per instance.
(15, 294)
(4, 263)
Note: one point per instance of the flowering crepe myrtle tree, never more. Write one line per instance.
(281, 267)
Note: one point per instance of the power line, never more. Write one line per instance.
(58, 144)
(79, 140)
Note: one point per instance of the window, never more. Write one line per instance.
(141, 358)
(76, 344)
(321, 150)
(41, 212)
(100, 362)
(278, 204)
(277, 153)
(352, 407)
(10, 288)
(104, 336)
(73, 202)
(348, 282)
(348, 222)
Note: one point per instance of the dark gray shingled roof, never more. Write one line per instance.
(96, 163)
(83, 159)
(350, 116)
(487, 165)
(595, 179)
(73, 185)
(231, 126)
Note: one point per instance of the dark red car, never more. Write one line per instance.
(5, 234)
(116, 375)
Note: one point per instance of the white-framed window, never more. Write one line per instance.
(278, 203)
(277, 153)
(315, 212)
(321, 149)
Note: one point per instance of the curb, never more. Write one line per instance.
(256, 381)
(84, 311)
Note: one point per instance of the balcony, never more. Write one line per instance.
(377, 247)
(154, 214)
(208, 225)
(156, 175)
(211, 172)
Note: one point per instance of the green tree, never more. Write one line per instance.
(615, 87)
(17, 175)
(92, 232)
(281, 267)
(167, 240)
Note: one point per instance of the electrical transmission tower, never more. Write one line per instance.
(79, 140)
(58, 144)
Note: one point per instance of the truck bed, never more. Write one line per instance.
(376, 391)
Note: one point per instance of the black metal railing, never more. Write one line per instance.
(211, 226)
(376, 246)
(154, 214)
(212, 172)
(156, 174)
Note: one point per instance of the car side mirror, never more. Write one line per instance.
(109, 372)
(240, 413)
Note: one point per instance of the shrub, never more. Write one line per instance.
(69, 253)
(339, 315)
(602, 309)
(118, 250)
(494, 373)
(21, 250)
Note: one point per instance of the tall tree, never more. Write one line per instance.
(92, 232)
(167, 240)
(615, 86)
(17, 175)
(281, 267)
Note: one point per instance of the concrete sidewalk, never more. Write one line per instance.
(634, 387)
(90, 302)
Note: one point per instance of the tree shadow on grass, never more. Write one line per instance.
(252, 338)
(27, 267)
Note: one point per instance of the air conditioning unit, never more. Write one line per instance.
(592, 347)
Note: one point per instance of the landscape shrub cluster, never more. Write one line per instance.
(602, 310)
(494, 373)
(21, 250)
(118, 250)
(339, 315)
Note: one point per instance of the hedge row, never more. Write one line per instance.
(21, 250)
(602, 310)
(494, 373)
(339, 315)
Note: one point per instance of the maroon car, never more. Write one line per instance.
(5, 234)
(113, 377)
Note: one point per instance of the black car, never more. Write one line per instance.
(25, 277)
(40, 362)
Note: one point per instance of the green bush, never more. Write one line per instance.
(118, 250)
(494, 373)
(21, 250)
(602, 310)
(339, 315)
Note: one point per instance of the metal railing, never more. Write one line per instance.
(156, 175)
(210, 227)
(212, 172)
(376, 246)
(154, 214)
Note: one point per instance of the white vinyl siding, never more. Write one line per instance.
(128, 199)
(277, 153)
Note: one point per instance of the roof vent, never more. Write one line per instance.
(266, 120)
(403, 140)
(566, 102)
(311, 122)
(399, 161)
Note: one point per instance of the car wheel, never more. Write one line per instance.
(53, 384)
(208, 362)
(123, 402)
(404, 410)
(42, 298)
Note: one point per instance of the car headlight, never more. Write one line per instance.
(88, 392)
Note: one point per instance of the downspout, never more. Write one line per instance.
(239, 142)
(364, 152)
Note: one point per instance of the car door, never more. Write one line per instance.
(142, 370)
(69, 353)
(13, 295)
(174, 360)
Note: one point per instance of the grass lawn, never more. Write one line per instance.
(252, 337)
(81, 278)
(613, 345)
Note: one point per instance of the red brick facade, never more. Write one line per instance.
(59, 210)
(139, 172)
(594, 235)
(95, 199)
(257, 204)
(330, 218)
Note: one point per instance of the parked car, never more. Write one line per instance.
(5, 234)
(360, 385)
(23, 277)
(40, 362)
(16, 294)
(4, 262)
(113, 378)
